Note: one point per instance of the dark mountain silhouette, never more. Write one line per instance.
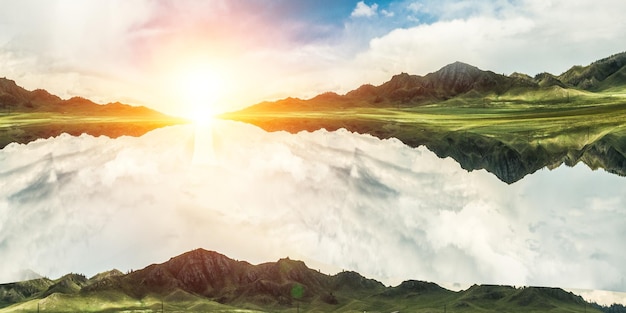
(202, 275)
(73, 116)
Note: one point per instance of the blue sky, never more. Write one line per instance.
(138, 51)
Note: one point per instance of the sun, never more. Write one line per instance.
(200, 88)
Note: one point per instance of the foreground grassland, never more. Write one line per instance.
(534, 130)
(109, 302)
(23, 127)
(221, 284)
(492, 300)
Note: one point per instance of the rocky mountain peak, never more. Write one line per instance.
(8, 85)
(402, 81)
(458, 68)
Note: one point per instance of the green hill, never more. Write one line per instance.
(206, 281)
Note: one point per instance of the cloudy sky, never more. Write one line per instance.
(151, 52)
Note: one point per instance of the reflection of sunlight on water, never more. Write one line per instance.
(203, 150)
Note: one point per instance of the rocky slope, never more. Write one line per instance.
(15, 99)
(459, 79)
(599, 75)
(185, 280)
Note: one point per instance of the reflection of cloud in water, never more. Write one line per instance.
(379, 207)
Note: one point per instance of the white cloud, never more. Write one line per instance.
(348, 201)
(601, 297)
(386, 13)
(364, 10)
(415, 7)
(526, 36)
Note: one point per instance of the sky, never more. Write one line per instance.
(336, 200)
(184, 57)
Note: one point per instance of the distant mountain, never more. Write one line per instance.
(14, 98)
(453, 80)
(459, 80)
(39, 114)
(201, 279)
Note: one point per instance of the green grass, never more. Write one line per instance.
(113, 301)
(410, 303)
(24, 119)
(512, 119)
(23, 127)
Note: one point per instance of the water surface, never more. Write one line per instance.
(336, 200)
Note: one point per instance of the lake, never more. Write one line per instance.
(336, 200)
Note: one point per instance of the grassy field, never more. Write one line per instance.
(112, 301)
(492, 301)
(25, 127)
(510, 119)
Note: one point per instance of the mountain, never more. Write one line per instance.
(453, 80)
(510, 126)
(14, 98)
(215, 276)
(460, 80)
(28, 115)
(202, 280)
(599, 75)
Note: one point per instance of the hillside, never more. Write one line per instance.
(600, 75)
(202, 280)
(461, 80)
(511, 126)
(28, 115)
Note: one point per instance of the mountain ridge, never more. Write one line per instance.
(201, 278)
(458, 78)
(14, 98)
(29, 115)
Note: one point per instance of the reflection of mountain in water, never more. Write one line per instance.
(511, 164)
(203, 280)
(508, 162)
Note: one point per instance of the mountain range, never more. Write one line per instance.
(28, 115)
(509, 125)
(14, 98)
(204, 281)
(463, 80)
